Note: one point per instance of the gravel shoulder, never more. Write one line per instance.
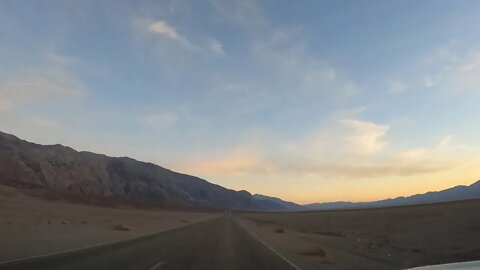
(382, 238)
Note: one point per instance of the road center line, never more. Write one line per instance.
(157, 266)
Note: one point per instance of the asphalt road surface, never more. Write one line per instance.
(215, 244)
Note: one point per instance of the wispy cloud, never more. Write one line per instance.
(349, 148)
(452, 67)
(466, 76)
(216, 47)
(238, 162)
(364, 137)
(160, 122)
(449, 68)
(164, 30)
(281, 72)
(458, 75)
(285, 51)
(40, 84)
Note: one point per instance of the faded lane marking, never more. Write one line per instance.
(157, 266)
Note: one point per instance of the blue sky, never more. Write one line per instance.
(309, 101)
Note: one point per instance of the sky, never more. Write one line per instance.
(310, 101)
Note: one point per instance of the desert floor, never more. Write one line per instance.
(383, 238)
(31, 226)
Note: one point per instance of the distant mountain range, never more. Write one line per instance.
(62, 170)
(452, 194)
(276, 201)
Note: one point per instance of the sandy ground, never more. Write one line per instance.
(31, 226)
(385, 238)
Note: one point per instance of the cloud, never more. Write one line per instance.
(238, 162)
(42, 84)
(343, 142)
(459, 72)
(364, 137)
(451, 68)
(353, 149)
(162, 29)
(216, 47)
(280, 73)
(160, 122)
(348, 149)
(466, 76)
(284, 52)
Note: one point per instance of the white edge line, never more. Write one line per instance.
(272, 249)
(156, 266)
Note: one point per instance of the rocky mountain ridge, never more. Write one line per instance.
(62, 169)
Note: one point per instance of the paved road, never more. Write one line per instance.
(216, 244)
